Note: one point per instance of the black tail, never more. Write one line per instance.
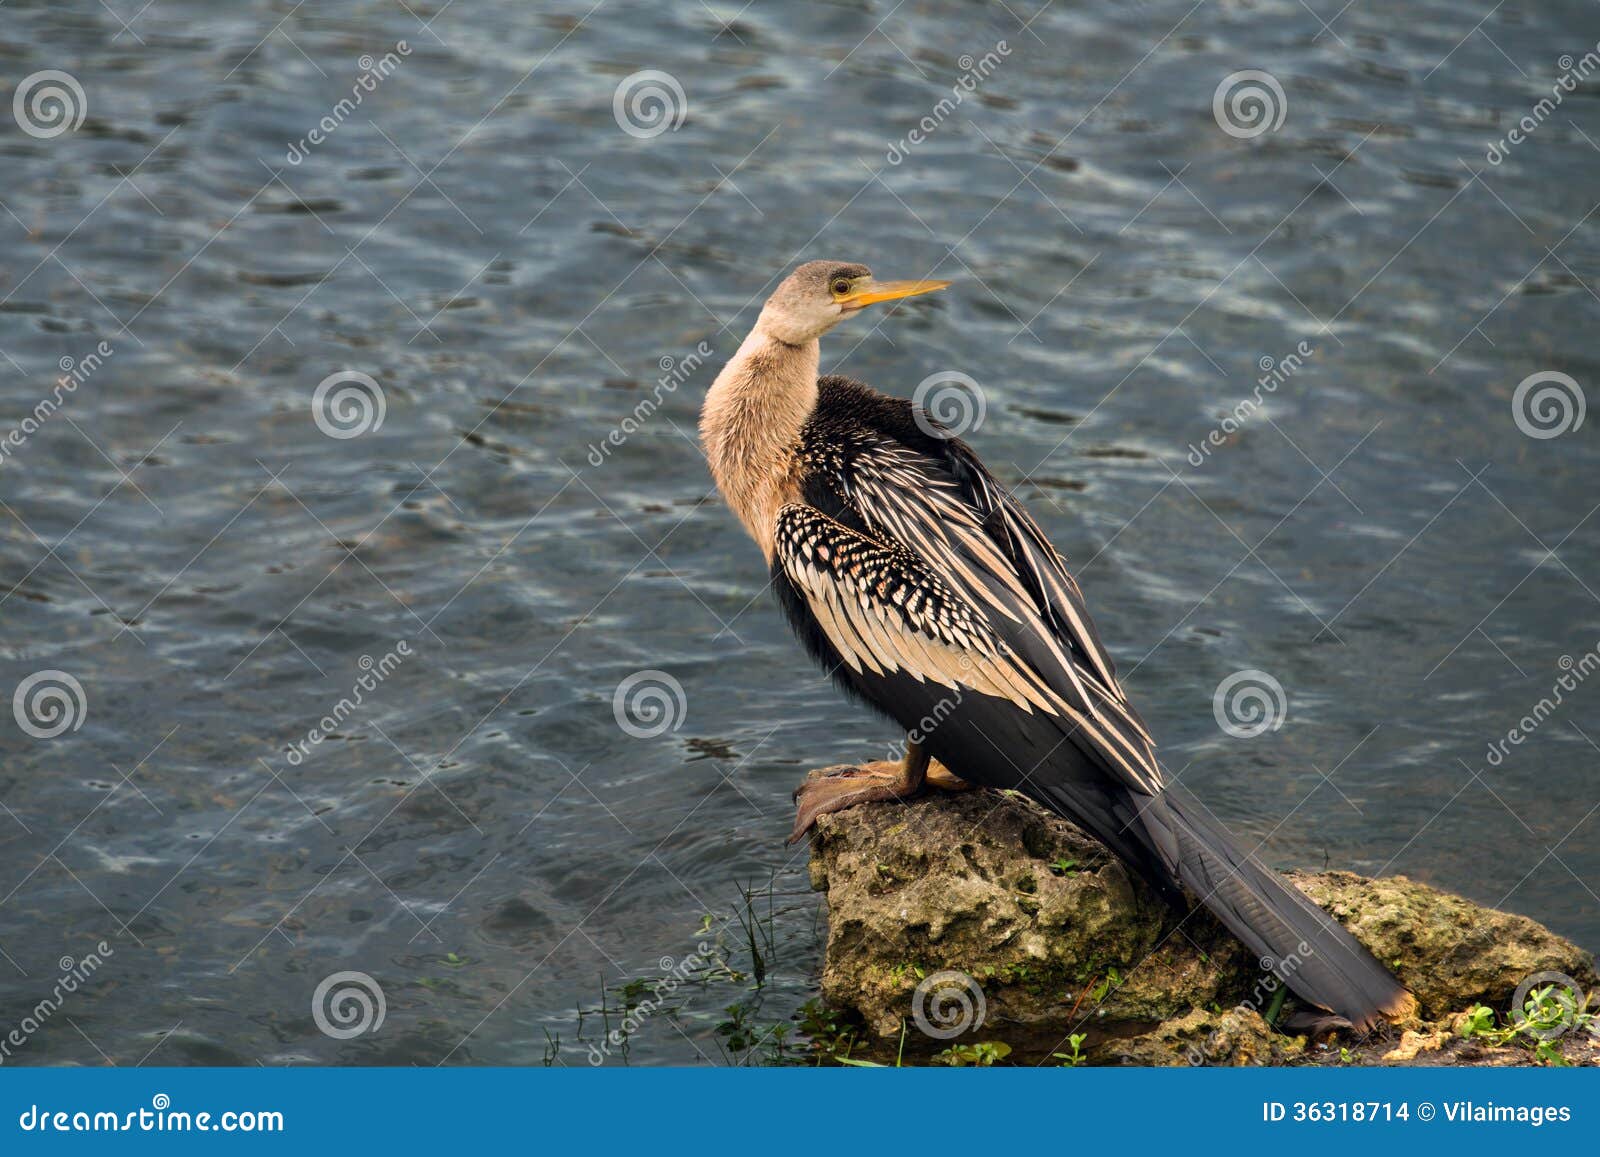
(1309, 950)
(1297, 941)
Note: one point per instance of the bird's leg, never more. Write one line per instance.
(941, 777)
(835, 788)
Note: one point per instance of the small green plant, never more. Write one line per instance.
(1111, 980)
(635, 990)
(1064, 867)
(1275, 1007)
(1545, 1015)
(1075, 1056)
(831, 1039)
(758, 931)
(979, 1054)
(777, 1052)
(1547, 1052)
(1479, 1022)
(861, 1063)
(907, 972)
(739, 1031)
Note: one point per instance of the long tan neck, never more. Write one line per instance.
(750, 426)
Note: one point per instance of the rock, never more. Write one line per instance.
(1450, 952)
(1413, 1042)
(1058, 937)
(1201, 1037)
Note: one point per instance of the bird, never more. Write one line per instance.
(926, 591)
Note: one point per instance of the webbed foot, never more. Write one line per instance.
(833, 789)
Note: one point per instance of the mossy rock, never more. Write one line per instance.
(1062, 937)
(1201, 1037)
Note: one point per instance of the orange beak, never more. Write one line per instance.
(872, 292)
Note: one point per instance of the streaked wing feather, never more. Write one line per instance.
(885, 609)
(989, 548)
(1042, 568)
(902, 495)
(960, 527)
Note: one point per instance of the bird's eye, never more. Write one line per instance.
(841, 287)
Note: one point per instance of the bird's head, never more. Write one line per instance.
(820, 294)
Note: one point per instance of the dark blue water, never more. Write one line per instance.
(532, 523)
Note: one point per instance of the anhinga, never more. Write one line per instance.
(926, 590)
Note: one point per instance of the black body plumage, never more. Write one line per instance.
(927, 592)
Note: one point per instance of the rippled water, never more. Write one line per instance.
(512, 269)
